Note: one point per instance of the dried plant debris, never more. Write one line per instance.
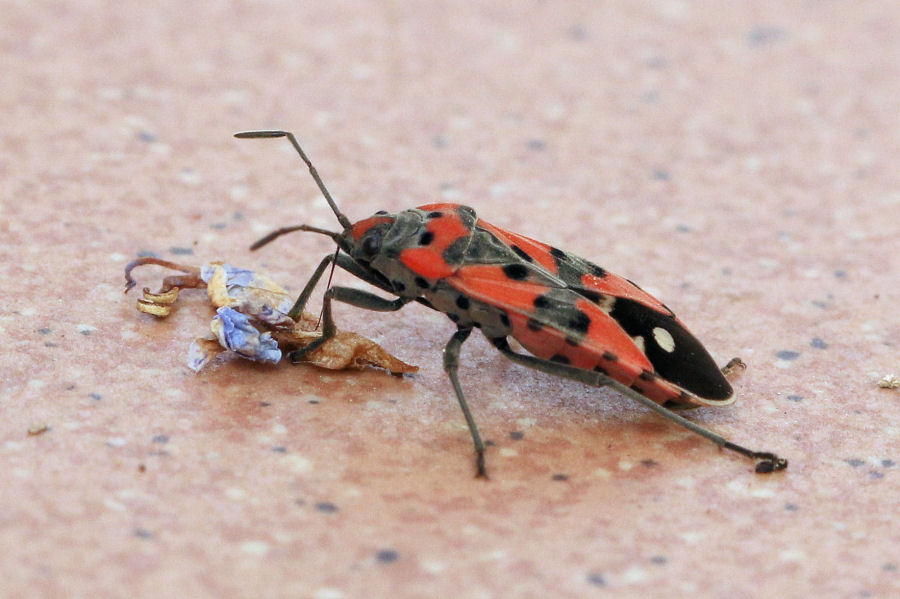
(252, 320)
(889, 381)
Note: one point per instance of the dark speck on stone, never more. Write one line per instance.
(855, 462)
(180, 251)
(147, 254)
(661, 174)
(516, 435)
(95, 396)
(160, 438)
(787, 354)
(578, 32)
(596, 579)
(536, 144)
(387, 556)
(142, 533)
(889, 567)
(888, 463)
(876, 474)
(279, 449)
(795, 397)
(763, 35)
(840, 274)
(684, 228)
(791, 507)
(264, 404)
(659, 560)
(218, 226)
(560, 477)
(818, 343)
(146, 136)
(648, 463)
(45, 331)
(326, 507)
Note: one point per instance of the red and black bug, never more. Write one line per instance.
(576, 319)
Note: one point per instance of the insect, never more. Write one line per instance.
(577, 320)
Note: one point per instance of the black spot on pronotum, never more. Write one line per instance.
(398, 285)
(560, 359)
(462, 302)
(534, 325)
(421, 282)
(557, 253)
(610, 357)
(426, 238)
(601, 370)
(381, 212)
(521, 254)
(572, 341)
(646, 375)
(435, 214)
(541, 302)
(453, 317)
(504, 319)
(516, 272)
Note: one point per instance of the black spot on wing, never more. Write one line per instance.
(542, 302)
(689, 366)
(515, 271)
(521, 254)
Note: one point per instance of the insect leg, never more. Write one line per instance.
(345, 262)
(769, 462)
(451, 365)
(347, 295)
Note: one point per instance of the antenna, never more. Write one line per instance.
(345, 222)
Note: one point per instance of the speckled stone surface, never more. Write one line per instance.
(739, 161)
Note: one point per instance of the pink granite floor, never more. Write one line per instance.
(739, 162)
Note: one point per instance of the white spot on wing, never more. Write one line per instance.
(639, 341)
(606, 303)
(664, 339)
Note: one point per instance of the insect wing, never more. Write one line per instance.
(586, 315)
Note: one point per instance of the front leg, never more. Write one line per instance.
(345, 262)
(347, 295)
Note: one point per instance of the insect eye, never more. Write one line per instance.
(371, 244)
